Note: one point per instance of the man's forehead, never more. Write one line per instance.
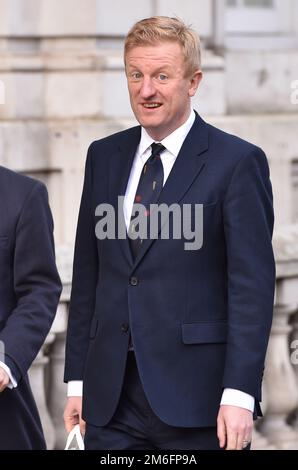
(160, 53)
(156, 49)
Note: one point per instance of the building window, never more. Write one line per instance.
(252, 16)
(251, 3)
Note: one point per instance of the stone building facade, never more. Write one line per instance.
(62, 85)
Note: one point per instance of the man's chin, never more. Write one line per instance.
(155, 131)
(152, 124)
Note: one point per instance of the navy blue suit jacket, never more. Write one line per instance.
(29, 294)
(199, 320)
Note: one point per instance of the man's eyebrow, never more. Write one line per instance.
(164, 67)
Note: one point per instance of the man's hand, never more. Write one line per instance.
(234, 427)
(73, 414)
(4, 379)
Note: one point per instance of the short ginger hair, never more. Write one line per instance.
(152, 31)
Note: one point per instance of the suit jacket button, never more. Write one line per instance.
(134, 281)
(124, 327)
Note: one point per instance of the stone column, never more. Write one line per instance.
(37, 381)
(281, 383)
(259, 441)
(294, 360)
(57, 389)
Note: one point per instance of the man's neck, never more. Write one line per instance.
(159, 136)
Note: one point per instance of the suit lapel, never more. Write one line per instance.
(119, 175)
(189, 163)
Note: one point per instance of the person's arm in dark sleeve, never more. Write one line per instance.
(37, 284)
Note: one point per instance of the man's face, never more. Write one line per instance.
(158, 88)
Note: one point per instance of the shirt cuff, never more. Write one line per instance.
(235, 397)
(75, 388)
(12, 382)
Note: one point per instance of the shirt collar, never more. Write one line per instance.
(172, 142)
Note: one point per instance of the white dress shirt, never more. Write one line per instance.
(12, 382)
(173, 144)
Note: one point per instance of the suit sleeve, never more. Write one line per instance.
(248, 225)
(37, 285)
(85, 274)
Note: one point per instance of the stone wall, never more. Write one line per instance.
(62, 85)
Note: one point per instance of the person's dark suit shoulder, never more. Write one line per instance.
(234, 148)
(11, 180)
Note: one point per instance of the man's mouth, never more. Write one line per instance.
(151, 105)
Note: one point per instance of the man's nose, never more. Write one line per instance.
(147, 89)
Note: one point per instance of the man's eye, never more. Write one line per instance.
(162, 77)
(135, 75)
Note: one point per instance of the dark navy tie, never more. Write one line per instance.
(148, 192)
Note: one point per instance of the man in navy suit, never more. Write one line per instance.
(166, 345)
(29, 294)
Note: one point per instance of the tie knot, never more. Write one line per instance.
(157, 149)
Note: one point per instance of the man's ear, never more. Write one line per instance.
(195, 82)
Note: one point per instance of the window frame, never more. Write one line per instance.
(257, 19)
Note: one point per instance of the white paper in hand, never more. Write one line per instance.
(74, 439)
